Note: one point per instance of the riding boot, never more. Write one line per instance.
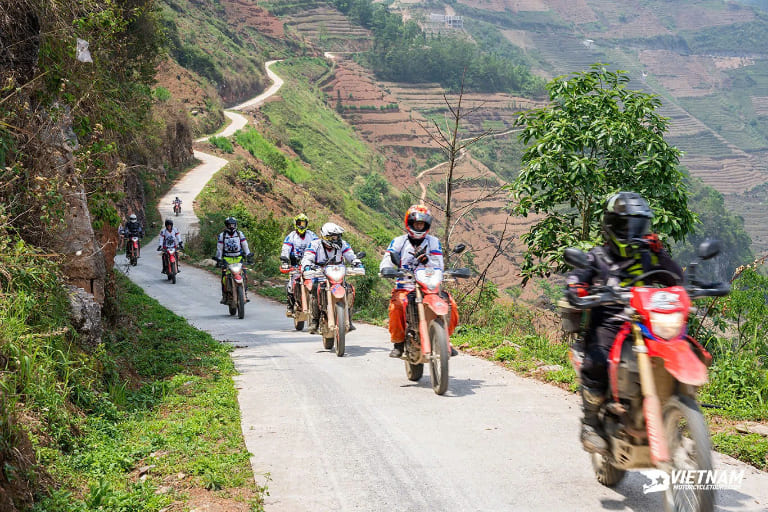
(289, 307)
(398, 349)
(593, 437)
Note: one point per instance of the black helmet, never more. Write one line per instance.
(168, 223)
(626, 220)
(230, 223)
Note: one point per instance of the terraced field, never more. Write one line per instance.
(328, 29)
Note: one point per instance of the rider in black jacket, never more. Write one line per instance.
(629, 251)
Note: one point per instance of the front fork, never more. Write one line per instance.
(651, 403)
(426, 343)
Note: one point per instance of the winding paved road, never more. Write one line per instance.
(353, 434)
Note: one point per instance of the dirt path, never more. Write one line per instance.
(353, 434)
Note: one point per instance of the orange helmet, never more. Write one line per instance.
(416, 213)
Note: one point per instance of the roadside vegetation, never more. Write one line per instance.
(143, 419)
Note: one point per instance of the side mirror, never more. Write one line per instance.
(461, 272)
(360, 255)
(395, 258)
(459, 249)
(389, 272)
(576, 258)
(709, 248)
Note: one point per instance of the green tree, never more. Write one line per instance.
(595, 138)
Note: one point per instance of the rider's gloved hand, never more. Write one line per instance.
(357, 263)
(577, 290)
(159, 248)
(423, 259)
(181, 246)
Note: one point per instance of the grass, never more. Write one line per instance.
(177, 415)
(750, 448)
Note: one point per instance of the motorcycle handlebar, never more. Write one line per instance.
(606, 295)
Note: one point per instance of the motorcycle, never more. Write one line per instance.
(170, 263)
(301, 301)
(331, 301)
(236, 281)
(132, 250)
(426, 321)
(652, 418)
(176, 209)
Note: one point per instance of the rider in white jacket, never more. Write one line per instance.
(169, 237)
(329, 249)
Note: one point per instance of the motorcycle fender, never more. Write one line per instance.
(679, 360)
(171, 258)
(238, 278)
(437, 304)
(338, 291)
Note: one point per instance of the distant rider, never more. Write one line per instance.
(417, 249)
(177, 201)
(130, 229)
(231, 247)
(169, 238)
(329, 249)
(294, 246)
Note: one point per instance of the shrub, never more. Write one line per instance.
(223, 143)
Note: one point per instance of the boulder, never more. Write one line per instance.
(85, 315)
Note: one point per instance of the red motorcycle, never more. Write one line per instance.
(170, 263)
(652, 418)
(301, 302)
(332, 301)
(132, 250)
(426, 321)
(177, 208)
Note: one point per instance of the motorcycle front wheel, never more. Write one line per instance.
(414, 372)
(689, 448)
(241, 302)
(340, 334)
(438, 362)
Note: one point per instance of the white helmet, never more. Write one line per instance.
(132, 218)
(331, 235)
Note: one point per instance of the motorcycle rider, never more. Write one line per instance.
(177, 201)
(417, 249)
(169, 237)
(231, 247)
(130, 229)
(329, 249)
(294, 246)
(630, 249)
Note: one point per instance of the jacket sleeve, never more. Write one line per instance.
(347, 253)
(244, 244)
(436, 254)
(219, 246)
(386, 261)
(287, 247)
(160, 240)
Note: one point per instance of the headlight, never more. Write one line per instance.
(429, 277)
(667, 325)
(335, 272)
(236, 268)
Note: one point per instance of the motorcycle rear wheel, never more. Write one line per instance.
(438, 363)
(689, 448)
(241, 302)
(340, 334)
